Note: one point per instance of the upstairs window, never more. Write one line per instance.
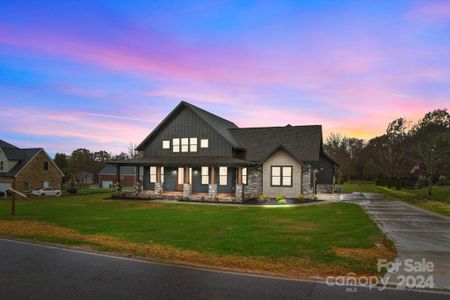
(176, 145)
(204, 143)
(281, 176)
(184, 145)
(223, 178)
(205, 175)
(166, 144)
(244, 175)
(2, 166)
(45, 165)
(193, 144)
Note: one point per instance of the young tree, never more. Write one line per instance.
(62, 162)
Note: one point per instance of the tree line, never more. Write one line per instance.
(407, 154)
(82, 161)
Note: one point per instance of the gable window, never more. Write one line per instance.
(166, 144)
(45, 165)
(176, 145)
(223, 171)
(281, 176)
(193, 144)
(152, 174)
(205, 175)
(184, 145)
(2, 166)
(204, 143)
(244, 175)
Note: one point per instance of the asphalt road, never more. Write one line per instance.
(32, 271)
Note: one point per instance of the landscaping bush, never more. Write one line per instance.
(301, 197)
(263, 198)
(282, 201)
(315, 198)
(398, 183)
(279, 197)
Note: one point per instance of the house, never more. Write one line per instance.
(107, 176)
(196, 154)
(27, 169)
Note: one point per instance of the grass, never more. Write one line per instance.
(294, 241)
(439, 202)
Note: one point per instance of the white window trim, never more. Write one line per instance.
(244, 175)
(193, 144)
(184, 145)
(205, 175)
(223, 178)
(152, 174)
(176, 145)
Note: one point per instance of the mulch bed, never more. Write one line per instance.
(275, 202)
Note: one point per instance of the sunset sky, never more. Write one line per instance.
(102, 74)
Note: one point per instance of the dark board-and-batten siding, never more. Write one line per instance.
(186, 124)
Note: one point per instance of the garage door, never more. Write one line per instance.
(106, 184)
(4, 186)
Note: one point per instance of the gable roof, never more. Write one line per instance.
(24, 156)
(302, 142)
(4, 144)
(219, 124)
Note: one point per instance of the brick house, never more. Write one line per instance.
(27, 169)
(107, 176)
(196, 154)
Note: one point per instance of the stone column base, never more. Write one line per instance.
(187, 190)
(212, 192)
(239, 192)
(158, 188)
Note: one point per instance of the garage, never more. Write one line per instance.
(106, 184)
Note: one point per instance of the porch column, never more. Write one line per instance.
(212, 187)
(158, 183)
(119, 187)
(187, 187)
(239, 185)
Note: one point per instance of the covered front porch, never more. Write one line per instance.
(198, 179)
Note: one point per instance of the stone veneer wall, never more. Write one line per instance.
(187, 190)
(325, 188)
(306, 183)
(254, 183)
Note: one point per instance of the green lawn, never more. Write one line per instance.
(316, 240)
(439, 202)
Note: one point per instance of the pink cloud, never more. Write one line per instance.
(437, 12)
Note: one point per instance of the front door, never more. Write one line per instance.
(180, 179)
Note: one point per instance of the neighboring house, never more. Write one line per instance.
(27, 169)
(194, 152)
(107, 176)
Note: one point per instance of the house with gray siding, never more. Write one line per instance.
(195, 154)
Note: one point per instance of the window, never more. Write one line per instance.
(162, 174)
(2, 166)
(281, 176)
(26, 186)
(166, 144)
(193, 144)
(153, 174)
(180, 175)
(204, 143)
(205, 175)
(244, 175)
(184, 145)
(45, 165)
(223, 171)
(176, 145)
(45, 184)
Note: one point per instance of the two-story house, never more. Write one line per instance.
(200, 155)
(27, 169)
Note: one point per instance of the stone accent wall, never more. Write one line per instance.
(35, 174)
(254, 183)
(212, 192)
(307, 189)
(187, 190)
(158, 188)
(325, 188)
(239, 192)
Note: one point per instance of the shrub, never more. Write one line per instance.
(315, 198)
(301, 197)
(282, 201)
(279, 197)
(262, 197)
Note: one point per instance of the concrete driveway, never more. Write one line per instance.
(419, 235)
